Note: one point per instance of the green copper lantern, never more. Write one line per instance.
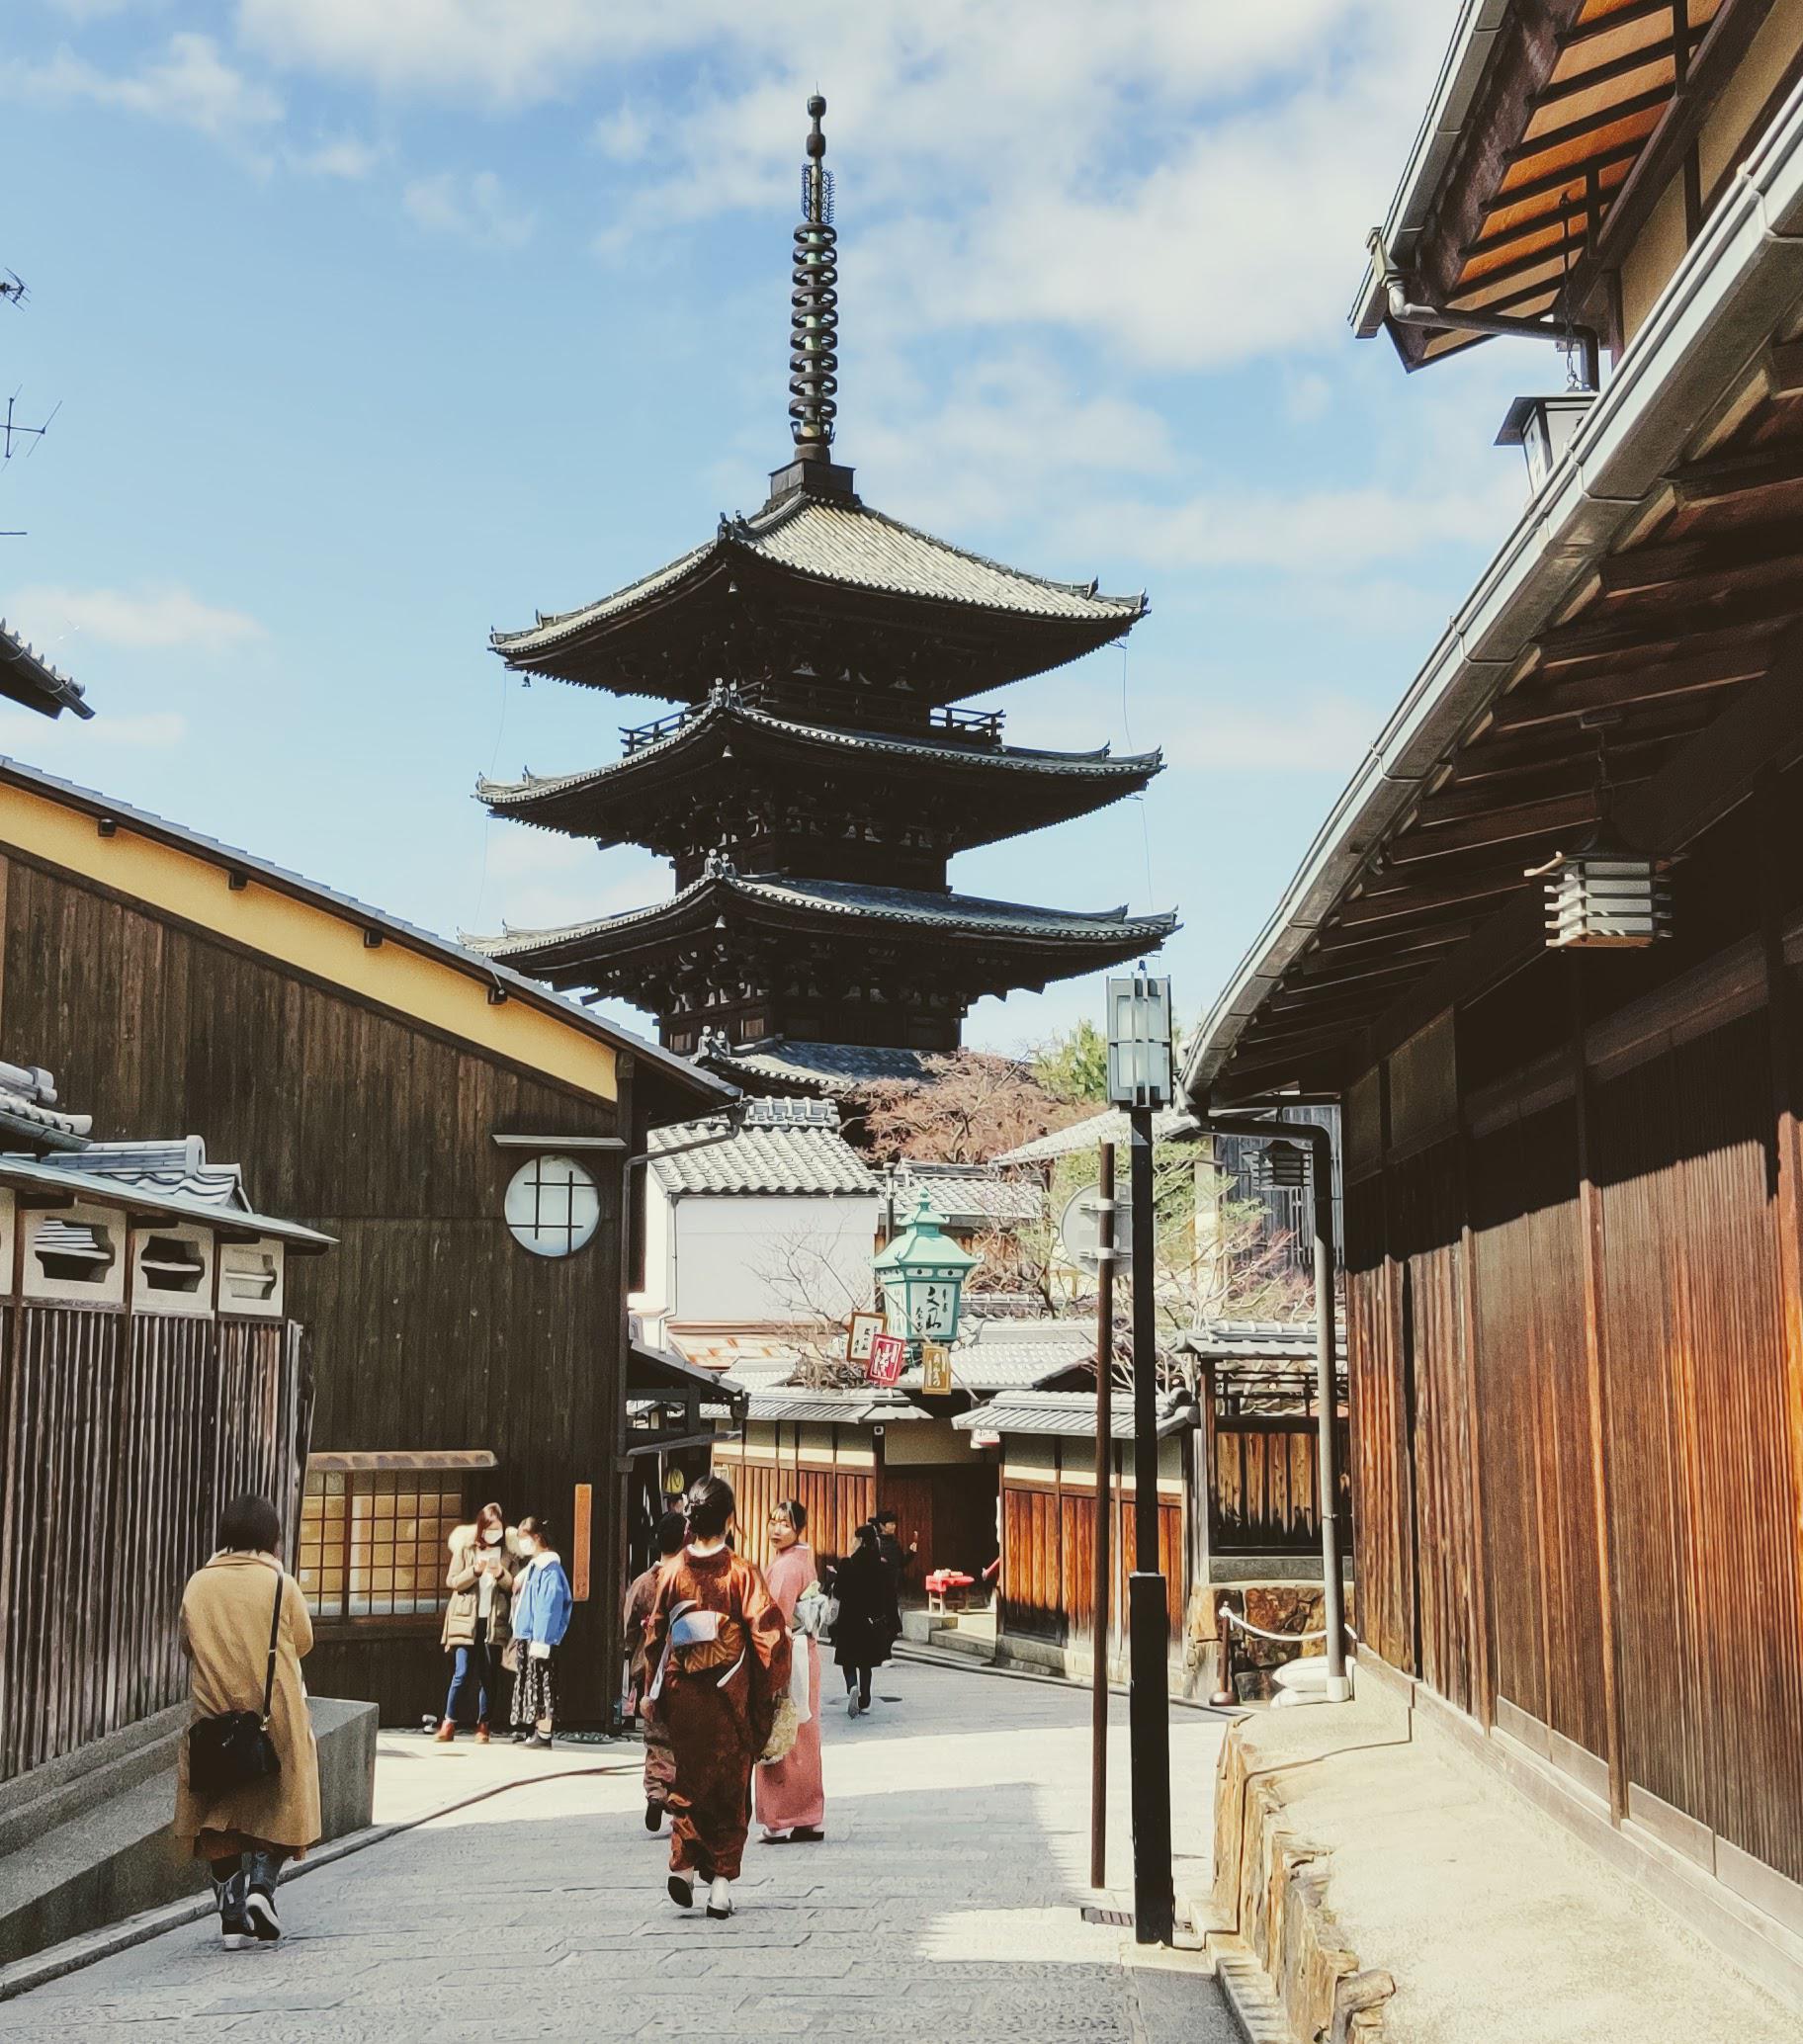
(923, 1274)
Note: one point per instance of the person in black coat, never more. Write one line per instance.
(863, 1632)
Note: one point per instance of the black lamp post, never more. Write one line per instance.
(1140, 1079)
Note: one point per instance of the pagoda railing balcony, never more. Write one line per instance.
(977, 728)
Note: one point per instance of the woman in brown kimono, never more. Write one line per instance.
(718, 1649)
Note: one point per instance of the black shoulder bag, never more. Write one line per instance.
(234, 1748)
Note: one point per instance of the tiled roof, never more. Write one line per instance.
(969, 1195)
(1251, 1341)
(141, 1194)
(805, 1159)
(836, 1068)
(29, 678)
(850, 1408)
(851, 544)
(1111, 1125)
(1015, 1355)
(1071, 1413)
(980, 765)
(178, 1168)
(27, 1107)
(973, 914)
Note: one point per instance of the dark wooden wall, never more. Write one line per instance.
(122, 1437)
(1047, 1550)
(430, 1329)
(838, 1496)
(1576, 1337)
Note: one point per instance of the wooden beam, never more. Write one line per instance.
(1782, 366)
(1649, 102)
(1580, 82)
(1716, 478)
(1526, 707)
(1389, 902)
(1521, 821)
(1662, 561)
(1550, 780)
(1678, 627)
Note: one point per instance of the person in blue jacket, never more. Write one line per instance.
(540, 1618)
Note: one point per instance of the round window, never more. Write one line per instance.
(552, 1207)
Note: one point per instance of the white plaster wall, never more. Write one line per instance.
(653, 1304)
(729, 1256)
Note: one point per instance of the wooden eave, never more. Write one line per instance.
(1679, 633)
(988, 794)
(1580, 120)
(983, 957)
(736, 612)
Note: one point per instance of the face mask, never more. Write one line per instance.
(493, 1535)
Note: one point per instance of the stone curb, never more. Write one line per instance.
(87, 1950)
(1247, 1989)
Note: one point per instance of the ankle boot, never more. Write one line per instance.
(262, 1871)
(228, 1898)
(446, 1732)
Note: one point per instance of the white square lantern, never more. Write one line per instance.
(1138, 1042)
(1603, 898)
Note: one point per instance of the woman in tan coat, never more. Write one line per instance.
(244, 1833)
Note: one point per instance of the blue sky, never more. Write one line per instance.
(375, 325)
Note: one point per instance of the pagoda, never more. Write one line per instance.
(821, 765)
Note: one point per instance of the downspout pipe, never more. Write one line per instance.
(1402, 312)
(1327, 1397)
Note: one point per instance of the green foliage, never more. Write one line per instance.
(1074, 1066)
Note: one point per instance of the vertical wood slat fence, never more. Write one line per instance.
(122, 1438)
(1264, 1484)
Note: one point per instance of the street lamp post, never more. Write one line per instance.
(1139, 1080)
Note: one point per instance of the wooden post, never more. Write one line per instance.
(1104, 1519)
(1787, 1137)
(1596, 1370)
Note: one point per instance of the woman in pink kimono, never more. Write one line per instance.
(791, 1797)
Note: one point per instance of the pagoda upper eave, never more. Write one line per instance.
(988, 946)
(995, 791)
(832, 586)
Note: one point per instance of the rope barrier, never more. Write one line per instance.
(1246, 1625)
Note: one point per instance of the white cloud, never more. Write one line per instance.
(153, 619)
(623, 135)
(336, 156)
(191, 86)
(1308, 534)
(1010, 430)
(1307, 396)
(471, 206)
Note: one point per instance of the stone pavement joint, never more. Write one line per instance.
(943, 1905)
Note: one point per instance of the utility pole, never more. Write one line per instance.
(1105, 1517)
(1140, 1079)
(1148, 1699)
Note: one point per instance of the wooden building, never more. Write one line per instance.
(150, 1372)
(463, 1132)
(1574, 1176)
(820, 771)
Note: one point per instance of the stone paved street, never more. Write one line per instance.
(943, 1905)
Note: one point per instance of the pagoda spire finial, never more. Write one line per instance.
(813, 303)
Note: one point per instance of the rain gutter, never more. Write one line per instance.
(1737, 282)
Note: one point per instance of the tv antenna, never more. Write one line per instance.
(12, 287)
(12, 434)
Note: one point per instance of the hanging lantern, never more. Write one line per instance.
(1603, 896)
(1286, 1166)
(923, 1274)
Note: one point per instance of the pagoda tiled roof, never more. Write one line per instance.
(837, 1071)
(938, 914)
(849, 543)
(565, 801)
